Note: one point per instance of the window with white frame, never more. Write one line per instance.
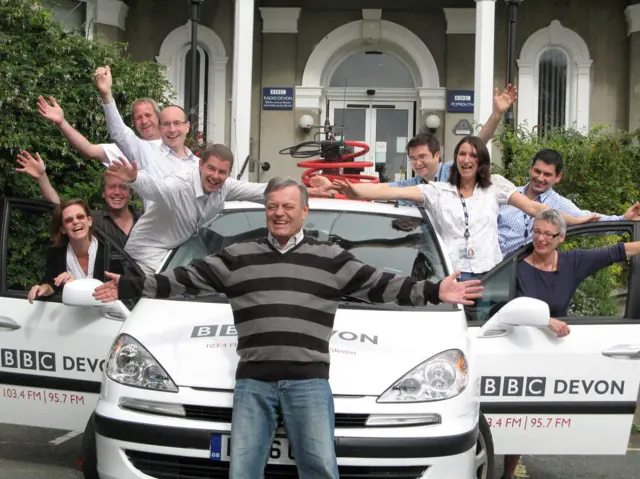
(211, 71)
(554, 80)
(552, 89)
(202, 88)
(75, 15)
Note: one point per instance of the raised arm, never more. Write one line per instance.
(378, 191)
(36, 168)
(501, 103)
(532, 208)
(377, 286)
(119, 132)
(52, 111)
(202, 276)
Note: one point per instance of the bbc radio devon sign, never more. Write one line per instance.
(277, 98)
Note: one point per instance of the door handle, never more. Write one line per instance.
(627, 350)
(9, 323)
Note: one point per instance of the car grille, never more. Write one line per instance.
(163, 466)
(223, 414)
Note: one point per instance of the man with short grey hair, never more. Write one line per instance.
(284, 292)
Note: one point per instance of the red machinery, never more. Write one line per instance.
(337, 160)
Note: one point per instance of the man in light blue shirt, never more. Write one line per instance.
(515, 228)
(424, 148)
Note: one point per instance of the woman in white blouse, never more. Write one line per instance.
(465, 208)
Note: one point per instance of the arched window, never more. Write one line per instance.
(202, 87)
(552, 89)
(372, 69)
(175, 55)
(554, 80)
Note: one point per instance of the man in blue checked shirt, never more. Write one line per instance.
(424, 148)
(515, 228)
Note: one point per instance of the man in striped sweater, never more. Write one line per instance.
(284, 291)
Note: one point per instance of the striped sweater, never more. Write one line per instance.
(283, 305)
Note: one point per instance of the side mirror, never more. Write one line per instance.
(517, 312)
(80, 293)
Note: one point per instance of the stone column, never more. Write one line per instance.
(278, 127)
(483, 77)
(632, 13)
(242, 84)
(461, 29)
(108, 20)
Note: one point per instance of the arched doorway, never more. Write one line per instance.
(374, 89)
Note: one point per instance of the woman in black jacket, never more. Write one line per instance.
(75, 253)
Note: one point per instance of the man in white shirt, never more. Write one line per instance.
(182, 202)
(145, 114)
(171, 155)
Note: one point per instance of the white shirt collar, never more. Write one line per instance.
(293, 241)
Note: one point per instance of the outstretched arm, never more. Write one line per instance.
(377, 286)
(52, 111)
(632, 249)
(36, 168)
(532, 208)
(206, 275)
(379, 191)
(164, 190)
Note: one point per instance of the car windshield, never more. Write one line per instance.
(403, 245)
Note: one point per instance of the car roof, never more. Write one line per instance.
(338, 205)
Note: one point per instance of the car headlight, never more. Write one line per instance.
(132, 365)
(441, 377)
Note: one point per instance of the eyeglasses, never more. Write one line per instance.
(69, 219)
(546, 234)
(167, 124)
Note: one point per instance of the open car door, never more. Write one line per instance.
(574, 395)
(51, 355)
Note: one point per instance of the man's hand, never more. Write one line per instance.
(31, 166)
(127, 172)
(560, 328)
(633, 213)
(104, 82)
(320, 182)
(51, 111)
(108, 292)
(451, 291)
(502, 101)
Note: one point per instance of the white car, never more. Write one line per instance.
(416, 389)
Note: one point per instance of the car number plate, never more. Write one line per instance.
(280, 453)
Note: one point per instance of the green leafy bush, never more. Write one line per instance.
(38, 57)
(600, 175)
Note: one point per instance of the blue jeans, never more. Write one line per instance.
(466, 276)
(308, 415)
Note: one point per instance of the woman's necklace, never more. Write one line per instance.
(544, 267)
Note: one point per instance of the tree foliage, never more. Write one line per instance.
(600, 175)
(39, 57)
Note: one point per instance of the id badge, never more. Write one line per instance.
(465, 251)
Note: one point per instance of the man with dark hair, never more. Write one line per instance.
(181, 202)
(515, 229)
(424, 149)
(284, 290)
(116, 220)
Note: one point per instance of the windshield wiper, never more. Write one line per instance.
(354, 299)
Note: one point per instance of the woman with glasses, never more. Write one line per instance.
(553, 276)
(75, 253)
